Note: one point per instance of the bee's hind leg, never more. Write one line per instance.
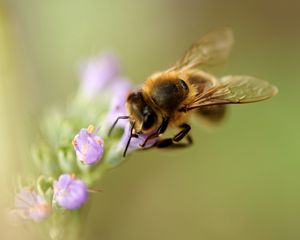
(174, 142)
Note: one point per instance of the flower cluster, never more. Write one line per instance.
(71, 153)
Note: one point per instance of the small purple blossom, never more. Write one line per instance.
(30, 205)
(99, 73)
(88, 146)
(136, 143)
(117, 105)
(70, 192)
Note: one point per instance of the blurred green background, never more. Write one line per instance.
(240, 181)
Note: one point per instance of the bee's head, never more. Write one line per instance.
(140, 112)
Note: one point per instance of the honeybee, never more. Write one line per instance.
(168, 98)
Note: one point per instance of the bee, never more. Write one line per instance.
(168, 98)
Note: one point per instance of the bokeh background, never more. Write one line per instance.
(240, 181)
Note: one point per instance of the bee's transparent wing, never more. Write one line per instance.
(213, 48)
(233, 90)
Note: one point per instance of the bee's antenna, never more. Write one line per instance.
(115, 123)
(129, 139)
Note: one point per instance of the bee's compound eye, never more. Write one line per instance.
(149, 121)
(183, 85)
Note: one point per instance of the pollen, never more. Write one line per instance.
(73, 176)
(74, 143)
(90, 129)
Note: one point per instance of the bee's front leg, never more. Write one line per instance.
(177, 138)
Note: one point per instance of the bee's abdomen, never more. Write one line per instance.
(212, 114)
(169, 94)
(201, 81)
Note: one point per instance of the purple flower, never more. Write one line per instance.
(136, 142)
(30, 205)
(70, 192)
(118, 101)
(88, 146)
(99, 73)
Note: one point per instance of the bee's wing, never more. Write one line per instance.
(233, 90)
(211, 49)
